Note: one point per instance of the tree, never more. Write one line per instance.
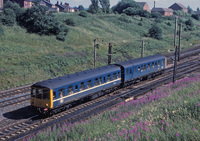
(155, 32)
(190, 10)
(189, 23)
(16, 9)
(198, 9)
(36, 20)
(81, 8)
(8, 17)
(124, 4)
(195, 16)
(105, 4)
(94, 7)
(131, 11)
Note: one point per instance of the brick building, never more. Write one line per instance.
(144, 6)
(65, 7)
(178, 6)
(163, 11)
(1, 5)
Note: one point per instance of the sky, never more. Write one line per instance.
(159, 3)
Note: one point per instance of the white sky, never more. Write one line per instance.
(159, 3)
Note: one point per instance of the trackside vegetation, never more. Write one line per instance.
(168, 113)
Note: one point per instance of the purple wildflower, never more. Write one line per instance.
(177, 134)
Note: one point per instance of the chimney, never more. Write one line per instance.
(154, 4)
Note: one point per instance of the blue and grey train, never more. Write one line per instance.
(54, 95)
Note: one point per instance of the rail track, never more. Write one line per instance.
(98, 105)
(21, 94)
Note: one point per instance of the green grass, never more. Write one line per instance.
(166, 114)
(28, 58)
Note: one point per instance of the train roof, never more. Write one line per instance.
(139, 61)
(76, 77)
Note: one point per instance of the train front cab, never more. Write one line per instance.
(42, 99)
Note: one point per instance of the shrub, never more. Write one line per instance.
(122, 5)
(36, 20)
(195, 16)
(125, 18)
(1, 30)
(70, 22)
(140, 24)
(131, 11)
(189, 23)
(8, 17)
(83, 14)
(144, 13)
(169, 24)
(156, 15)
(158, 20)
(16, 9)
(155, 32)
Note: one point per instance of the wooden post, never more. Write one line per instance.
(95, 43)
(179, 44)
(109, 53)
(142, 52)
(175, 32)
(174, 74)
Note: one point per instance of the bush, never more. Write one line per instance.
(189, 23)
(122, 5)
(36, 20)
(125, 18)
(131, 11)
(156, 15)
(16, 9)
(158, 20)
(155, 32)
(83, 14)
(1, 30)
(70, 22)
(140, 24)
(195, 16)
(8, 17)
(144, 13)
(169, 24)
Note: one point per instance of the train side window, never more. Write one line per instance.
(61, 92)
(119, 76)
(148, 66)
(82, 86)
(46, 94)
(100, 80)
(152, 65)
(109, 78)
(142, 68)
(70, 90)
(145, 68)
(76, 88)
(158, 63)
(54, 95)
(96, 82)
(32, 92)
(104, 79)
(134, 69)
(130, 71)
(114, 76)
(89, 84)
(138, 69)
(127, 71)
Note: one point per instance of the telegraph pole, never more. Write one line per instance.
(175, 63)
(109, 53)
(179, 44)
(95, 56)
(142, 52)
(175, 31)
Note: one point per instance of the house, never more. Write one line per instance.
(197, 12)
(1, 5)
(163, 11)
(178, 6)
(65, 7)
(51, 7)
(144, 6)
